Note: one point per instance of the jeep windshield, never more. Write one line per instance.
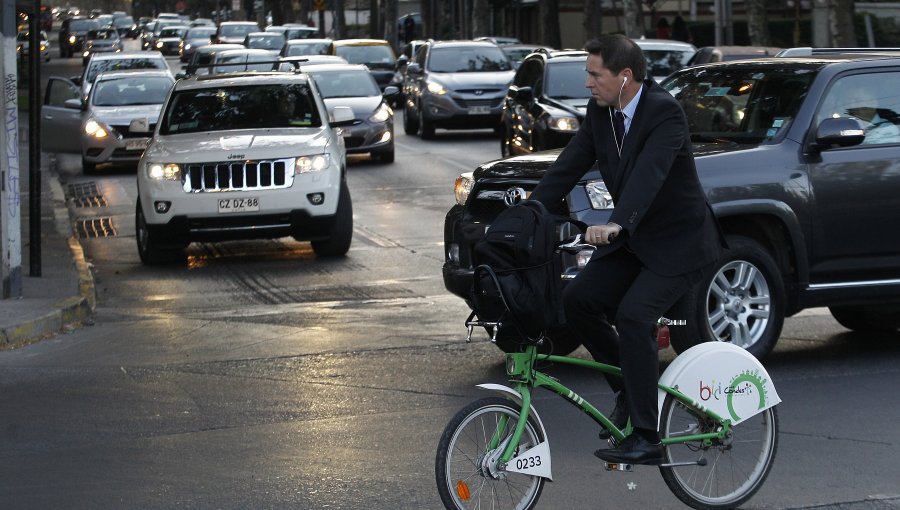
(247, 107)
(740, 103)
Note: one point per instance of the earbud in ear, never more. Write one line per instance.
(624, 79)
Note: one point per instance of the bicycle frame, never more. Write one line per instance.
(524, 377)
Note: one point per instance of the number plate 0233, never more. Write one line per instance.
(236, 205)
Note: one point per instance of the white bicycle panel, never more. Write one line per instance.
(722, 378)
(535, 461)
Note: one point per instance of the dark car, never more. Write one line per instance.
(294, 31)
(102, 40)
(196, 37)
(710, 54)
(545, 103)
(376, 54)
(798, 157)
(169, 39)
(234, 31)
(126, 26)
(455, 85)
(72, 33)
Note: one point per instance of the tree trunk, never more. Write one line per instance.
(481, 18)
(549, 14)
(374, 20)
(390, 22)
(633, 12)
(340, 23)
(593, 18)
(842, 32)
(758, 23)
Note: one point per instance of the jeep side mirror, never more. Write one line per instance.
(839, 132)
(342, 116)
(520, 94)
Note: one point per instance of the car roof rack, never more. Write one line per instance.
(812, 52)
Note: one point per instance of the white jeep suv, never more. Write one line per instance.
(244, 156)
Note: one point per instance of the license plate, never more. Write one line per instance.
(138, 144)
(479, 110)
(235, 205)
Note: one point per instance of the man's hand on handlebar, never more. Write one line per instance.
(601, 234)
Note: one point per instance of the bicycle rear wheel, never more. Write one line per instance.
(466, 476)
(736, 467)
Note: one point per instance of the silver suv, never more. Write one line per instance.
(244, 156)
(455, 85)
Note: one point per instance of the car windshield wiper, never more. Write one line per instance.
(696, 137)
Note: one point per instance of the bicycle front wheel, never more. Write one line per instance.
(735, 467)
(466, 469)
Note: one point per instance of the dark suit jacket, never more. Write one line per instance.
(666, 220)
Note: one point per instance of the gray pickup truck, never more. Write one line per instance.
(800, 158)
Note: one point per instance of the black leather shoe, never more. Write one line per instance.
(619, 415)
(634, 450)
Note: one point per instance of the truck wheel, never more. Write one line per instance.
(742, 302)
(410, 121)
(151, 251)
(342, 232)
(868, 319)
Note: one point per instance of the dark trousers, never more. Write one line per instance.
(618, 290)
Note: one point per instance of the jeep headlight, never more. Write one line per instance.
(382, 114)
(566, 123)
(436, 88)
(463, 187)
(317, 163)
(599, 195)
(96, 129)
(163, 171)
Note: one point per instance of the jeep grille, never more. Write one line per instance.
(238, 175)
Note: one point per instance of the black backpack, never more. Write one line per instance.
(516, 276)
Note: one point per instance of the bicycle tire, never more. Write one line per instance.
(463, 480)
(736, 467)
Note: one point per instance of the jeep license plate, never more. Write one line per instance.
(479, 110)
(235, 205)
(138, 144)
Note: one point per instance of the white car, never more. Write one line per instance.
(99, 128)
(242, 156)
(665, 56)
(102, 62)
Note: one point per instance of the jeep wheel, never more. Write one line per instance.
(87, 167)
(867, 319)
(342, 231)
(742, 302)
(426, 127)
(151, 251)
(410, 122)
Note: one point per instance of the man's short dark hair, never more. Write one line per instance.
(619, 52)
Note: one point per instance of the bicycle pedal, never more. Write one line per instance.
(618, 466)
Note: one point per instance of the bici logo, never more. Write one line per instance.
(740, 392)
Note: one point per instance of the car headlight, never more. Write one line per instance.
(599, 195)
(159, 44)
(382, 114)
(463, 187)
(436, 88)
(567, 124)
(72, 39)
(186, 46)
(163, 171)
(43, 47)
(317, 163)
(96, 129)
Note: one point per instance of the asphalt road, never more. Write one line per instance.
(258, 376)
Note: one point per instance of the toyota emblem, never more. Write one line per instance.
(513, 196)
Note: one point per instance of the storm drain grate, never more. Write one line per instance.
(86, 194)
(96, 227)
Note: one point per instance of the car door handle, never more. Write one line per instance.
(48, 117)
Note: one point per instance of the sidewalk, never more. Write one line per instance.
(63, 296)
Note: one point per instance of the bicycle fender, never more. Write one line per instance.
(514, 395)
(722, 378)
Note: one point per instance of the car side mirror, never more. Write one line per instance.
(76, 80)
(74, 104)
(342, 116)
(838, 132)
(139, 125)
(402, 61)
(390, 91)
(520, 94)
(414, 68)
(182, 74)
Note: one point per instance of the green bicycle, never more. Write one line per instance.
(718, 424)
